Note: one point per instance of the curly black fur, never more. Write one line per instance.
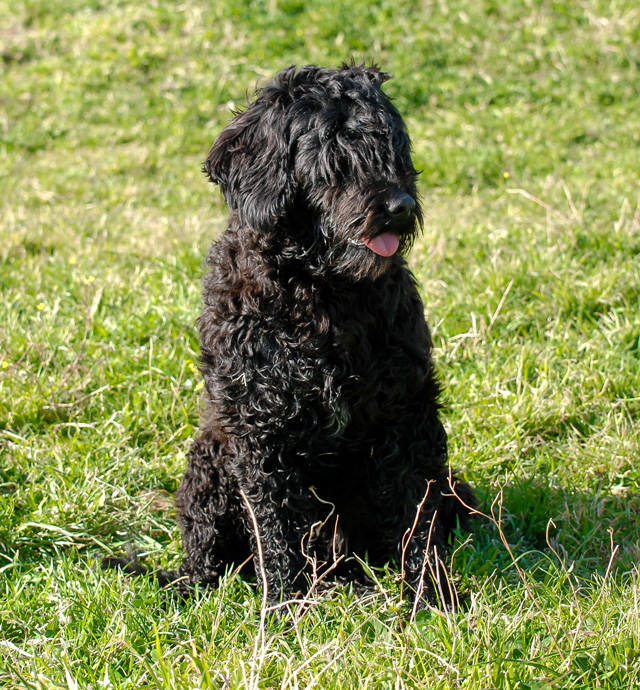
(321, 396)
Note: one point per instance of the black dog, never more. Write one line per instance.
(321, 436)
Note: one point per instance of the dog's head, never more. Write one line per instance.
(323, 157)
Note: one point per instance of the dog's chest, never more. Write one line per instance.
(313, 361)
(370, 357)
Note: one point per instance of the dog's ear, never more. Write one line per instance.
(252, 162)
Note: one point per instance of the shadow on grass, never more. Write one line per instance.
(578, 530)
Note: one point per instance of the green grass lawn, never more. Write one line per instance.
(525, 118)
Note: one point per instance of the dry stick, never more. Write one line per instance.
(408, 536)
(535, 200)
(77, 401)
(497, 311)
(305, 601)
(260, 637)
(435, 577)
(574, 210)
(334, 541)
(636, 217)
(238, 569)
(254, 523)
(319, 524)
(312, 560)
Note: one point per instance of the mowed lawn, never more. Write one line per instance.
(525, 120)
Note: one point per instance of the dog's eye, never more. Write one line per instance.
(329, 132)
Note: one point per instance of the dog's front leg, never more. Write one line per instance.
(416, 533)
(276, 533)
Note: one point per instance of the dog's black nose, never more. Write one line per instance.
(400, 206)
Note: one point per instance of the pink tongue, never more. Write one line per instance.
(385, 244)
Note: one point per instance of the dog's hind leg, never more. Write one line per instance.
(210, 515)
(212, 531)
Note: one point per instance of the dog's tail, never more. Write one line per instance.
(131, 566)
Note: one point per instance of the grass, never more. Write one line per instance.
(524, 117)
